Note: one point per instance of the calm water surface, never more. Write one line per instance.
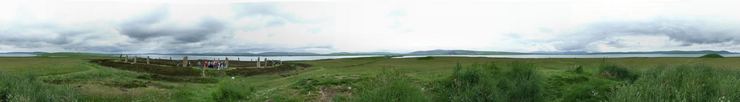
(16, 55)
(249, 58)
(305, 58)
(576, 56)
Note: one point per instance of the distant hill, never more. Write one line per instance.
(712, 55)
(287, 54)
(669, 52)
(248, 54)
(363, 53)
(462, 52)
(442, 52)
(210, 54)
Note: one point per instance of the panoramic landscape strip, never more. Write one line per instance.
(369, 51)
(107, 77)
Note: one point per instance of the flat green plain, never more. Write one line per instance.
(71, 77)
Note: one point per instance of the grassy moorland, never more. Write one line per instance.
(72, 77)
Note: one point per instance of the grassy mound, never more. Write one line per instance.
(712, 55)
(150, 68)
(255, 71)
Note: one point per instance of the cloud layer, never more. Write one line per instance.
(368, 26)
(684, 31)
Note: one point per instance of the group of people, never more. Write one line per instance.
(214, 64)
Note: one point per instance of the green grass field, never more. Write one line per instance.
(71, 77)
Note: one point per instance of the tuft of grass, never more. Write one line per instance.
(697, 83)
(29, 89)
(577, 86)
(389, 86)
(485, 83)
(233, 90)
(615, 72)
(314, 84)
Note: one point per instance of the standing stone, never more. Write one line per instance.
(147, 59)
(265, 60)
(237, 59)
(185, 61)
(258, 63)
(203, 69)
(125, 60)
(226, 62)
(120, 56)
(134, 60)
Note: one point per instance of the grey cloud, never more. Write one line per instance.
(255, 9)
(25, 34)
(689, 31)
(266, 48)
(278, 17)
(140, 27)
(49, 36)
(199, 33)
(152, 25)
(153, 31)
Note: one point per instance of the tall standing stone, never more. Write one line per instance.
(203, 72)
(266, 63)
(125, 60)
(203, 69)
(185, 61)
(134, 60)
(226, 62)
(258, 63)
(147, 59)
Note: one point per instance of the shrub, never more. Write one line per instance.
(28, 89)
(307, 85)
(389, 86)
(685, 83)
(617, 73)
(577, 70)
(177, 79)
(233, 90)
(485, 83)
(150, 68)
(712, 55)
(573, 87)
(256, 71)
(425, 58)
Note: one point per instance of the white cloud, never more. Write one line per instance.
(365, 26)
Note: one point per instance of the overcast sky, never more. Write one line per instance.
(145, 26)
